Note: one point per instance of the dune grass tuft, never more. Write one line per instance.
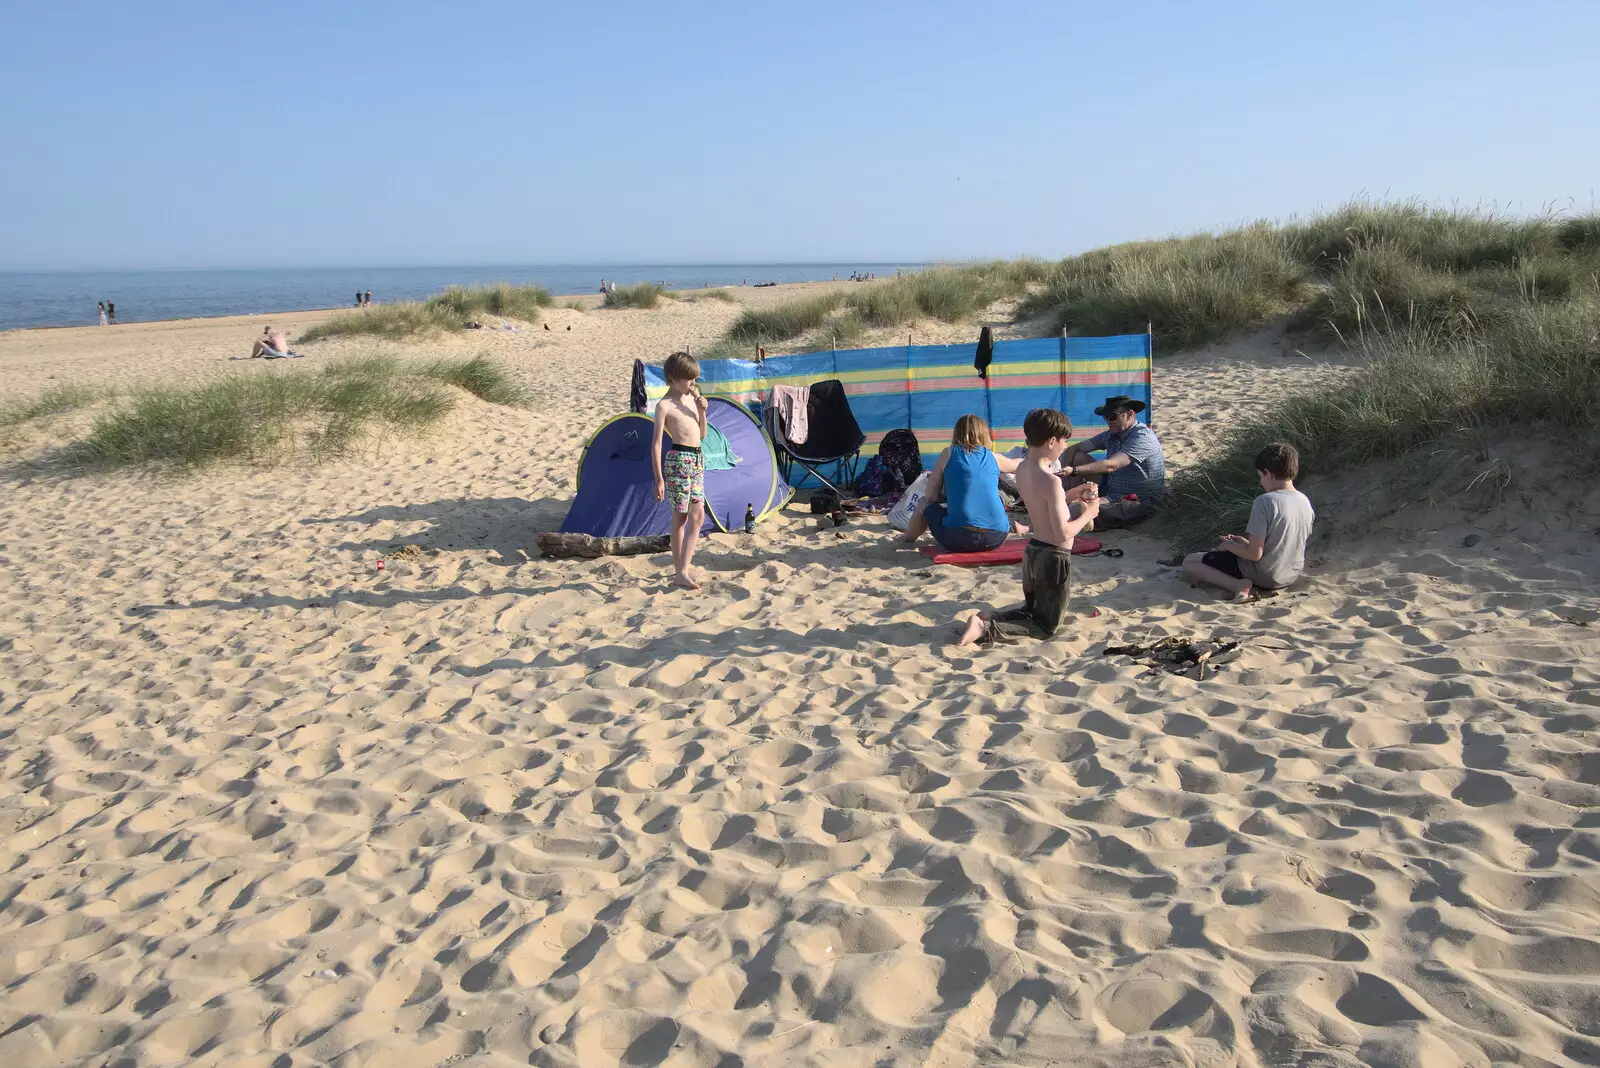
(1438, 238)
(57, 400)
(443, 312)
(949, 294)
(1580, 234)
(847, 331)
(483, 377)
(1423, 384)
(1189, 290)
(642, 295)
(1364, 265)
(780, 322)
(526, 303)
(268, 416)
(391, 322)
(694, 296)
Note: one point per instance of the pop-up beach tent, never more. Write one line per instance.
(616, 479)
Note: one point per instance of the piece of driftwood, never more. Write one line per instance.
(588, 547)
(1180, 656)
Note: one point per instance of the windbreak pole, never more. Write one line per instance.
(1150, 369)
(1062, 373)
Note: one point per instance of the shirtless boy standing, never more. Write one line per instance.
(1047, 563)
(681, 414)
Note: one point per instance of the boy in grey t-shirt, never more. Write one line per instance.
(1272, 551)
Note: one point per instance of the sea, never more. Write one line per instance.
(69, 298)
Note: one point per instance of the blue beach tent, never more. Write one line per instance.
(617, 482)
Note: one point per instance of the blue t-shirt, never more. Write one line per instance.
(972, 490)
(1146, 473)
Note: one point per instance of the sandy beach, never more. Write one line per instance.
(264, 804)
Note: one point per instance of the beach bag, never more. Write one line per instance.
(902, 459)
(824, 502)
(872, 481)
(900, 514)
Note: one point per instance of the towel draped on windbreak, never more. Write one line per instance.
(717, 451)
(638, 400)
(985, 351)
(792, 403)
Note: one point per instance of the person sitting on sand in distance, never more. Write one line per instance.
(681, 414)
(1271, 553)
(963, 509)
(1047, 562)
(271, 344)
(1134, 465)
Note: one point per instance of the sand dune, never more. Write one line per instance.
(263, 804)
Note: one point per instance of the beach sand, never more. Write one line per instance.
(262, 804)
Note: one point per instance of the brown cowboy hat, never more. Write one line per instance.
(1113, 405)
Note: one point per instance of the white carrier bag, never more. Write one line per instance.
(900, 514)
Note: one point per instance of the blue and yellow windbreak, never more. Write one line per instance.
(928, 387)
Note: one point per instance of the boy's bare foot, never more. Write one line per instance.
(974, 629)
(1020, 528)
(684, 582)
(1246, 594)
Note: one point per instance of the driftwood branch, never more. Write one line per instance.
(589, 547)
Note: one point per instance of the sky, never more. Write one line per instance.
(179, 134)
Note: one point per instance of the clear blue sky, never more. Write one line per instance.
(274, 134)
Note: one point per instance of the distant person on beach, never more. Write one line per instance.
(102, 313)
(111, 313)
(1047, 562)
(367, 300)
(963, 509)
(1271, 553)
(1132, 477)
(681, 476)
(358, 298)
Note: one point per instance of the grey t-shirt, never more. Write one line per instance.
(1282, 520)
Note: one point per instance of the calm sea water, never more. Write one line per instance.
(69, 298)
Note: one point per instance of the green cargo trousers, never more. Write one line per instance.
(1046, 587)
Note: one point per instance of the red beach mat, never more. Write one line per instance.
(1009, 553)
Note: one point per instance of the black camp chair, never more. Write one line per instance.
(832, 435)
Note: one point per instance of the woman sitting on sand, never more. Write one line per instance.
(963, 510)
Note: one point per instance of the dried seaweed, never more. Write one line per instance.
(1190, 657)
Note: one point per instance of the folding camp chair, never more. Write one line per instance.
(832, 436)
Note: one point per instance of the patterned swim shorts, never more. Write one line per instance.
(685, 475)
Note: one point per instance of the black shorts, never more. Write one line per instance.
(1227, 563)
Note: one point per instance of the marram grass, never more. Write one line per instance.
(642, 295)
(443, 312)
(268, 416)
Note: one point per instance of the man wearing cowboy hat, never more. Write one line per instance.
(1132, 477)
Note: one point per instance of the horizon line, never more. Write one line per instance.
(909, 262)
